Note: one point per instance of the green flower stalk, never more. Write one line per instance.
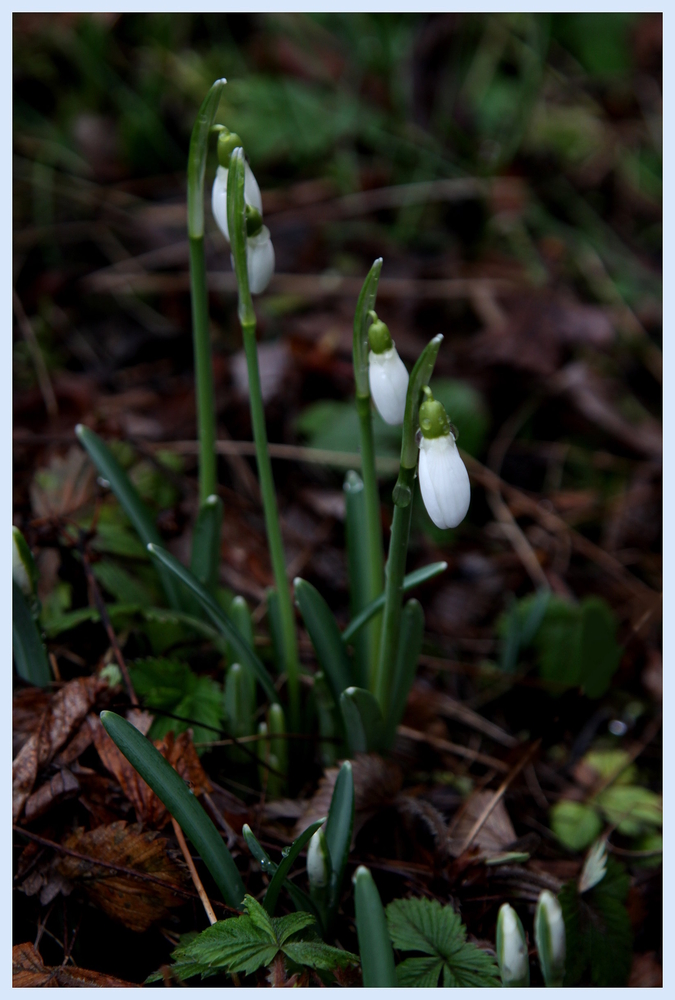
(514, 964)
(206, 417)
(549, 935)
(238, 232)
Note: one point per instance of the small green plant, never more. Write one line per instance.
(447, 958)
(29, 652)
(255, 941)
(597, 924)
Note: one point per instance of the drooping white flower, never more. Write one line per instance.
(549, 935)
(259, 261)
(387, 375)
(514, 965)
(444, 481)
(388, 379)
(252, 197)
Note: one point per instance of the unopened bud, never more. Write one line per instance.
(227, 143)
(549, 935)
(514, 964)
(318, 862)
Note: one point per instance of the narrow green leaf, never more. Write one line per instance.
(217, 616)
(410, 646)
(170, 788)
(325, 636)
(279, 877)
(339, 827)
(365, 302)
(276, 628)
(24, 570)
(409, 582)
(377, 957)
(130, 501)
(356, 530)
(29, 653)
(206, 116)
(205, 561)
(258, 851)
(330, 726)
(362, 719)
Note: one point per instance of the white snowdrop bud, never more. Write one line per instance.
(514, 965)
(387, 374)
(549, 935)
(444, 481)
(318, 861)
(252, 196)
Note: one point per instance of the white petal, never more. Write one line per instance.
(388, 379)
(444, 481)
(259, 261)
(219, 201)
(514, 954)
(252, 197)
(252, 194)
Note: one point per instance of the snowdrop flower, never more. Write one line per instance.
(512, 948)
(444, 481)
(387, 374)
(549, 935)
(259, 249)
(318, 861)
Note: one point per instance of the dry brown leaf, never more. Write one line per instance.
(494, 836)
(28, 707)
(179, 752)
(60, 786)
(67, 710)
(377, 782)
(132, 901)
(646, 971)
(28, 970)
(64, 486)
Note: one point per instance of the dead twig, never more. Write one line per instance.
(453, 748)
(28, 334)
(197, 882)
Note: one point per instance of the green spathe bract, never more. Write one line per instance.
(170, 788)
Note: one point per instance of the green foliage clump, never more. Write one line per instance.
(171, 686)
(251, 942)
(423, 925)
(598, 931)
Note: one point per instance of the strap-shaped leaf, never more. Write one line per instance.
(363, 720)
(339, 827)
(276, 628)
(325, 636)
(409, 648)
(217, 616)
(205, 559)
(129, 500)
(29, 653)
(410, 581)
(258, 851)
(279, 877)
(377, 956)
(365, 302)
(181, 803)
(356, 518)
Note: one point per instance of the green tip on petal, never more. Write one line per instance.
(254, 221)
(379, 337)
(434, 422)
(227, 143)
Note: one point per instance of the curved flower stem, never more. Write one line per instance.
(206, 417)
(237, 228)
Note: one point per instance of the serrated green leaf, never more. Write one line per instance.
(575, 824)
(286, 927)
(631, 808)
(598, 930)
(259, 917)
(116, 540)
(318, 956)
(600, 652)
(171, 685)
(420, 972)
(121, 584)
(424, 925)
